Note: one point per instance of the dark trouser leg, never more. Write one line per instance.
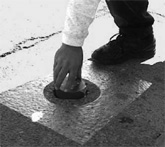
(131, 16)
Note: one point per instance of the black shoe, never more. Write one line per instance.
(125, 47)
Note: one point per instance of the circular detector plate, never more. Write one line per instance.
(92, 93)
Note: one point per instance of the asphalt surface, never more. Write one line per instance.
(126, 108)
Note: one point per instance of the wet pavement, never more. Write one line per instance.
(124, 105)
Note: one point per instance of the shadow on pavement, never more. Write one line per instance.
(17, 130)
(142, 122)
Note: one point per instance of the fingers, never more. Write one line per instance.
(71, 80)
(60, 78)
(56, 71)
(79, 74)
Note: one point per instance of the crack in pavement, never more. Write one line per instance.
(156, 13)
(28, 43)
(35, 40)
(31, 42)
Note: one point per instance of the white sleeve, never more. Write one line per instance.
(79, 16)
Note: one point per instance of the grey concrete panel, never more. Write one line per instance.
(77, 120)
(17, 130)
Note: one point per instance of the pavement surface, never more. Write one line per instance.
(125, 106)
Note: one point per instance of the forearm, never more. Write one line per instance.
(80, 14)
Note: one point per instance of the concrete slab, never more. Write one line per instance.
(95, 122)
(71, 118)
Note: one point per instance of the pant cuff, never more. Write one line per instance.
(136, 31)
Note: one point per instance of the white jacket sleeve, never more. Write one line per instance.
(79, 16)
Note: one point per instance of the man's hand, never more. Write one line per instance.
(68, 60)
